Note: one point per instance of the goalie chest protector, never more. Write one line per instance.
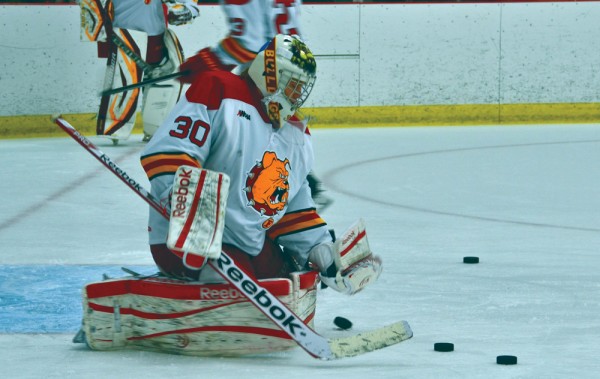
(172, 316)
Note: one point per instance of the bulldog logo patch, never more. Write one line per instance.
(267, 186)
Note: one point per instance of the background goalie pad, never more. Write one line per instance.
(92, 23)
(116, 117)
(197, 218)
(160, 98)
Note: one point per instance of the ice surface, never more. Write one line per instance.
(524, 199)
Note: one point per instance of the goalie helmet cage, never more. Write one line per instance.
(312, 342)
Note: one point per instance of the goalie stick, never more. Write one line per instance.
(312, 342)
(144, 83)
(141, 64)
(130, 53)
(111, 64)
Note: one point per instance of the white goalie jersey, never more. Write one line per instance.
(221, 126)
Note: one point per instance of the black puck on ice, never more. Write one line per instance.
(443, 346)
(506, 360)
(342, 323)
(471, 260)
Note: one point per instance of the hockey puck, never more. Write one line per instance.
(506, 360)
(443, 346)
(342, 323)
(471, 260)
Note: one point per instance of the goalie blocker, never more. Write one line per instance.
(198, 202)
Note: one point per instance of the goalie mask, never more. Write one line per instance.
(284, 71)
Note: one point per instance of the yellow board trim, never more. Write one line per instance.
(348, 117)
(444, 115)
(41, 126)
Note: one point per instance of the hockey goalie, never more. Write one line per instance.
(123, 29)
(230, 166)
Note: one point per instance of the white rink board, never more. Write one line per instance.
(542, 61)
(369, 54)
(430, 54)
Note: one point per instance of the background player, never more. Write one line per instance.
(110, 22)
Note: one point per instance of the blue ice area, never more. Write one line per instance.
(47, 298)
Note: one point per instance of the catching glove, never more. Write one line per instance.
(347, 265)
(182, 13)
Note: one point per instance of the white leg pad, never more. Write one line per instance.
(178, 317)
(160, 98)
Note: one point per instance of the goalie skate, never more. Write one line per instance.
(178, 317)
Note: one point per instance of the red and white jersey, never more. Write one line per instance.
(221, 125)
(252, 23)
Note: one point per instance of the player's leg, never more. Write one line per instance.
(160, 98)
(272, 262)
(170, 264)
(116, 116)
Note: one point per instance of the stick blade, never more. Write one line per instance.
(370, 341)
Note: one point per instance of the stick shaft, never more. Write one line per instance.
(111, 65)
(144, 83)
